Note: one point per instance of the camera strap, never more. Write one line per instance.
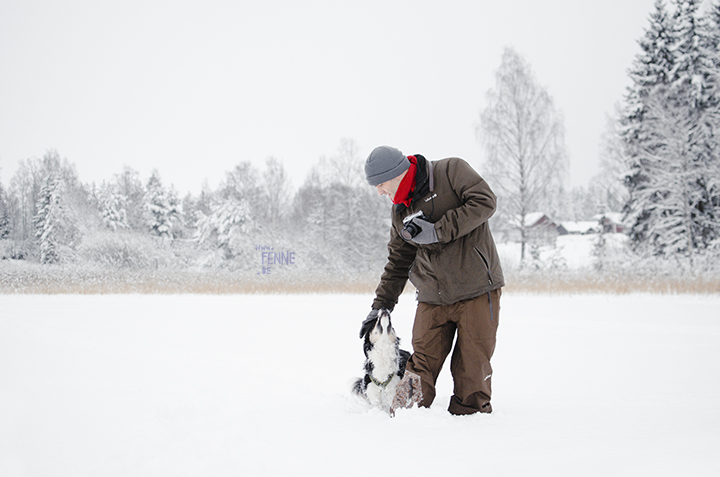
(430, 175)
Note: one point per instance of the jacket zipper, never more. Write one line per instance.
(487, 265)
(490, 281)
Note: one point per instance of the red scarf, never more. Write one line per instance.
(407, 185)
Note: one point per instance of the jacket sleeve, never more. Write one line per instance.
(401, 255)
(478, 203)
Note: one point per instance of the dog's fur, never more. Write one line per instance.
(384, 364)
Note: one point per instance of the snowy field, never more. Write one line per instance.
(593, 385)
(570, 251)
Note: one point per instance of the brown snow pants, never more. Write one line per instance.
(433, 334)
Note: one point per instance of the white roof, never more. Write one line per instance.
(533, 218)
(581, 226)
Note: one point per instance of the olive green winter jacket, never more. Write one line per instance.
(464, 263)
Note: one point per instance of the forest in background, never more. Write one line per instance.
(660, 167)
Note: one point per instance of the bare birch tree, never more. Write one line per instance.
(345, 167)
(607, 185)
(276, 189)
(523, 138)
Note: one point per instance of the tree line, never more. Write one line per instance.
(333, 222)
(660, 165)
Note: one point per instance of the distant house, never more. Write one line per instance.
(607, 223)
(541, 228)
(538, 220)
(580, 227)
(611, 222)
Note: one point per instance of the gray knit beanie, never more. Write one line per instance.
(385, 163)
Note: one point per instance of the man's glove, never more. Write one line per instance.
(427, 234)
(369, 322)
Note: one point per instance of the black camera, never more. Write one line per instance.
(410, 228)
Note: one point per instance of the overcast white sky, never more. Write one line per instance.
(194, 87)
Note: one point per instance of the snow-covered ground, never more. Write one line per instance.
(258, 385)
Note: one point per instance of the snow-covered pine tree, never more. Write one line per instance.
(161, 206)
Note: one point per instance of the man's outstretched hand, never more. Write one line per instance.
(369, 322)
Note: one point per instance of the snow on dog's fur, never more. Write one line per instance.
(384, 364)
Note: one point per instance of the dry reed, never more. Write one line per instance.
(37, 279)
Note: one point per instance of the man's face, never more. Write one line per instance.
(389, 188)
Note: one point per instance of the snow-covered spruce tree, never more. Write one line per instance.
(4, 214)
(111, 205)
(224, 226)
(655, 64)
(231, 223)
(524, 144)
(48, 210)
(61, 207)
(129, 186)
(25, 186)
(671, 124)
(712, 175)
(161, 207)
(694, 75)
(54, 226)
(670, 200)
(696, 86)
(652, 67)
(195, 208)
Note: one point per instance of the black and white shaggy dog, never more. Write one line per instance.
(384, 364)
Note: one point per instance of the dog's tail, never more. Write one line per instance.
(402, 362)
(359, 387)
